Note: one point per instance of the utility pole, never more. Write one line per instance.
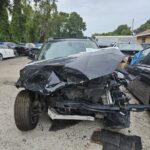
(132, 27)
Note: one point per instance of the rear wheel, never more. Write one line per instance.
(25, 118)
(1, 57)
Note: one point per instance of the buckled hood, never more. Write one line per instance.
(49, 75)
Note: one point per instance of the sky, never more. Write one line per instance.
(105, 15)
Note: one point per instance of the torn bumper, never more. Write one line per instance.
(101, 108)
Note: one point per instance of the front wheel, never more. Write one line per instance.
(24, 116)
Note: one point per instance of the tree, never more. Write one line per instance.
(59, 24)
(143, 27)
(121, 30)
(4, 4)
(28, 14)
(75, 25)
(48, 22)
(31, 23)
(17, 23)
(43, 19)
(4, 23)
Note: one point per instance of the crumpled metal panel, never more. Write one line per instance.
(49, 75)
(98, 63)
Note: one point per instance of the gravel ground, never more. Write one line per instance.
(76, 137)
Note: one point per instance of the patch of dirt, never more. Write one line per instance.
(12, 83)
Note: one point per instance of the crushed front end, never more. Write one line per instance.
(80, 87)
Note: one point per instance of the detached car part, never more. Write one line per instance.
(83, 86)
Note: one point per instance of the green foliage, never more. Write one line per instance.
(30, 23)
(4, 4)
(121, 30)
(41, 20)
(68, 25)
(143, 27)
(4, 24)
(18, 22)
(75, 25)
(60, 21)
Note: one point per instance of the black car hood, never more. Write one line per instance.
(48, 75)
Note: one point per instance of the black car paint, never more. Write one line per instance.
(84, 67)
(140, 85)
(77, 83)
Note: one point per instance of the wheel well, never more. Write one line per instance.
(1, 54)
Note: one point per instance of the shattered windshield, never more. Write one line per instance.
(55, 49)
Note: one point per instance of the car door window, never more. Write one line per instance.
(146, 60)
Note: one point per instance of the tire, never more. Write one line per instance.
(24, 117)
(1, 57)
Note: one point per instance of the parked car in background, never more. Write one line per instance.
(29, 46)
(105, 44)
(34, 51)
(24, 48)
(6, 52)
(140, 73)
(139, 56)
(145, 45)
(129, 49)
(38, 45)
(10, 44)
(20, 49)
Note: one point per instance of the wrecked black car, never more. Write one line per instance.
(139, 86)
(73, 80)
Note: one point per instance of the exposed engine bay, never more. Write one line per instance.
(81, 87)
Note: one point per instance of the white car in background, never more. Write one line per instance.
(6, 52)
